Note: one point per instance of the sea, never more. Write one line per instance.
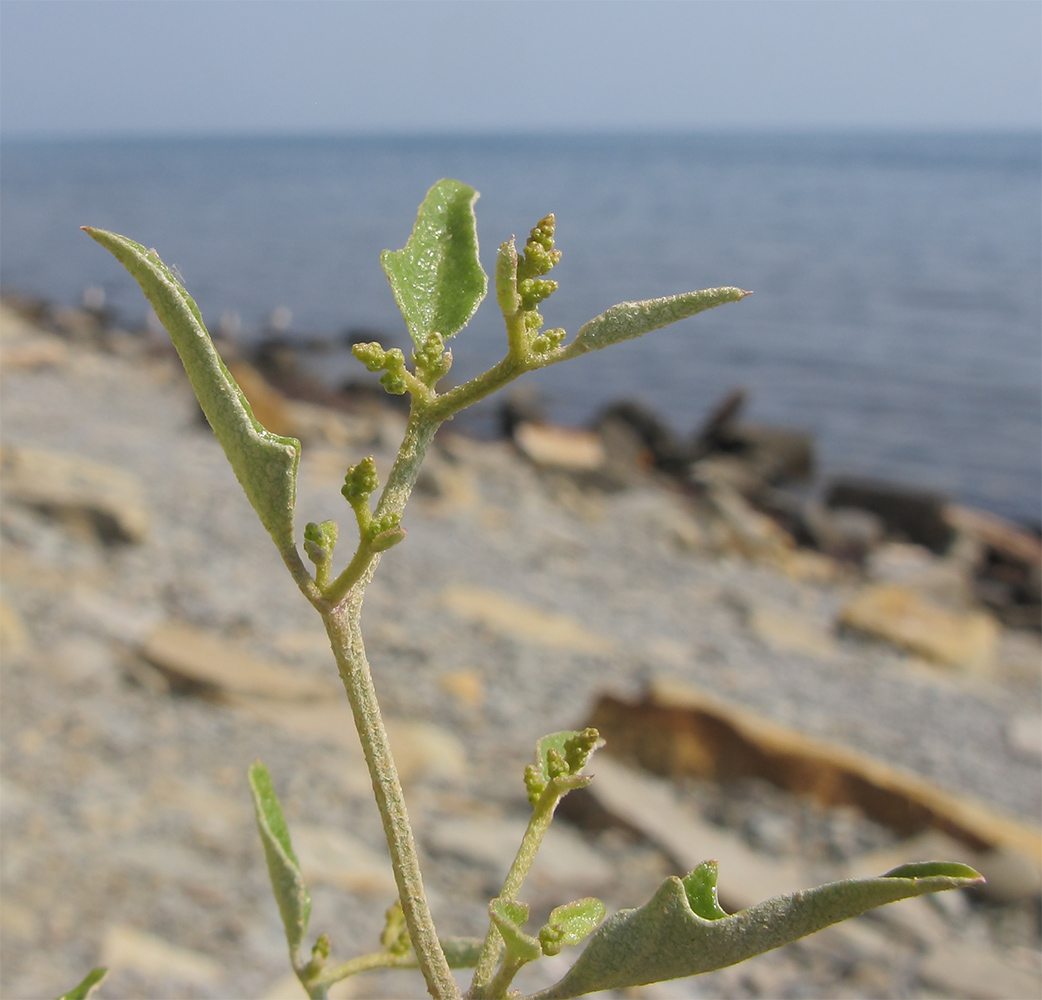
(897, 313)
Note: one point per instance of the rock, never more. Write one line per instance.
(466, 686)
(220, 668)
(776, 454)
(967, 641)
(635, 435)
(17, 920)
(41, 352)
(627, 460)
(787, 631)
(523, 405)
(759, 455)
(109, 500)
(716, 432)
(847, 533)
(332, 857)
(1020, 653)
(911, 514)
(128, 948)
(565, 868)
(422, 749)
(747, 531)
(1008, 567)
(450, 484)
(917, 568)
(680, 730)
(560, 447)
(1024, 736)
(1012, 874)
(729, 471)
(511, 619)
(966, 969)
(315, 424)
(995, 533)
(288, 988)
(14, 638)
(78, 325)
(112, 617)
(650, 806)
(268, 404)
(80, 661)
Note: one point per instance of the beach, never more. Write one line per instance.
(524, 593)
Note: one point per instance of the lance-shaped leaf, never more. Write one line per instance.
(633, 319)
(90, 983)
(264, 463)
(667, 939)
(436, 277)
(287, 882)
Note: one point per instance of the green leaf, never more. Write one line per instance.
(506, 278)
(633, 319)
(436, 277)
(264, 463)
(395, 936)
(700, 886)
(560, 757)
(666, 939)
(509, 915)
(287, 882)
(570, 923)
(88, 986)
(462, 952)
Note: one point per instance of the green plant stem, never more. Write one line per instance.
(317, 991)
(419, 433)
(542, 816)
(365, 963)
(504, 977)
(343, 628)
(301, 576)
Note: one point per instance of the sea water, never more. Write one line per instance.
(897, 306)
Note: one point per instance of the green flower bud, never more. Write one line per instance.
(394, 384)
(361, 481)
(320, 540)
(534, 784)
(372, 355)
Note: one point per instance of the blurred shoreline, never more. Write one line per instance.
(153, 647)
(897, 301)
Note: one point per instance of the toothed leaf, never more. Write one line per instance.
(667, 939)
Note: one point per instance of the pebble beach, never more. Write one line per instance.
(521, 596)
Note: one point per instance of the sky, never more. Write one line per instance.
(95, 67)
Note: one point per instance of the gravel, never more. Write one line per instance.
(125, 804)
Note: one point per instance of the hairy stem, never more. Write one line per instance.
(343, 628)
(365, 963)
(542, 816)
(501, 983)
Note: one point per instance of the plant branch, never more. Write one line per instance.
(542, 816)
(366, 963)
(343, 628)
(308, 587)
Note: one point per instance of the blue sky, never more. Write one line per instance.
(242, 66)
